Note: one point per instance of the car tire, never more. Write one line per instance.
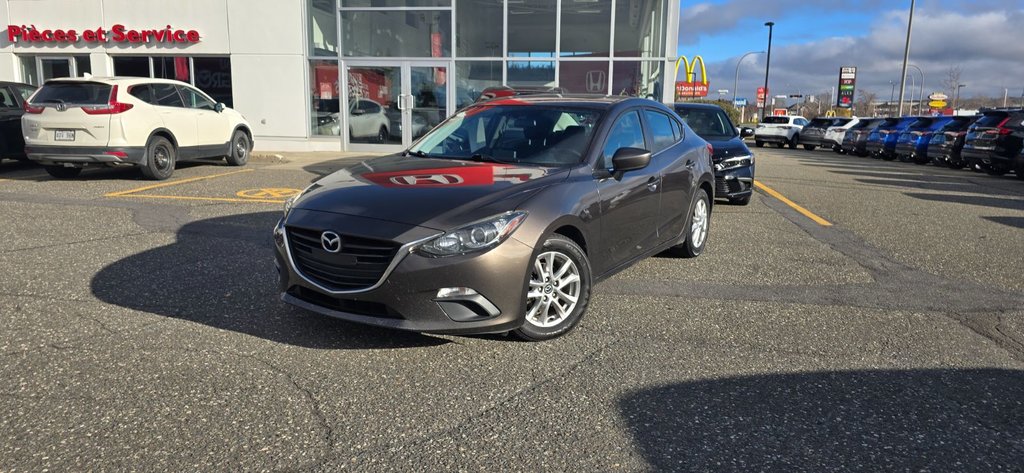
(794, 142)
(759, 144)
(996, 170)
(955, 163)
(697, 226)
(382, 135)
(810, 147)
(740, 200)
(557, 262)
(61, 172)
(161, 158)
(240, 149)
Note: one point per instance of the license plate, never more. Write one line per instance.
(64, 135)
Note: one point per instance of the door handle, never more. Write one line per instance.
(652, 183)
(401, 102)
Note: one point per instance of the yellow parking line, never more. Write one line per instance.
(212, 199)
(172, 183)
(794, 205)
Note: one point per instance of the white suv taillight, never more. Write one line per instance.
(112, 107)
(29, 108)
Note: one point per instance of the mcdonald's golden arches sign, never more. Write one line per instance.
(691, 87)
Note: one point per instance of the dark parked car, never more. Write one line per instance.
(856, 138)
(734, 163)
(994, 141)
(912, 144)
(813, 135)
(882, 140)
(12, 102)
(946, 143)
(502, 218)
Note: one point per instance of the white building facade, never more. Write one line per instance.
(407, 64)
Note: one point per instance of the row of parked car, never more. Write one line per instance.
(992, 141)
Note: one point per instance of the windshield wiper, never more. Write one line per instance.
(486, 158)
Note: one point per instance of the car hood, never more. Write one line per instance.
(434, 193)
(725, 149)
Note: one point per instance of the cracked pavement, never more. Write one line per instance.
(140, 334)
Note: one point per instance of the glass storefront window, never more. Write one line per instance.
(638, 78)
(373, 113)
(472, 77)
(390, 33)
(213, 76)
(586, 28)
(583, 77)
(478, 28)
(131, 66)
(395, 3)
(83, 65)
(531, 73)
(640, 31)
(323, 28)
(172, 67)
(326, 104)
(29, 75)
(533, 22)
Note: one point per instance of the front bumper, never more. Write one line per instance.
(85, 155)
(734, 183)
(405, 297)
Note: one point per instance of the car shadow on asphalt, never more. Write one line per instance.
(980, 201)
(901, 420)
(220, 273)
(28, 171)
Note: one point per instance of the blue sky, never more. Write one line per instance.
(813, 38)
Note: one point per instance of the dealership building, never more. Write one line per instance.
(360, 75)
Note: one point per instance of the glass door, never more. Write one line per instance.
(390, 104)
(54, 67)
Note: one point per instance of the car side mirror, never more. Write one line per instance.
(746, 131)
(629, 159)
(219, 107)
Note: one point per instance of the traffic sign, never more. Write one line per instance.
(740, 102)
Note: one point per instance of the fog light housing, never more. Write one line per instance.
(450, 292)
(279, 234)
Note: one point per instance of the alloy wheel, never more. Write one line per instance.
(699, 225)
(555, 287)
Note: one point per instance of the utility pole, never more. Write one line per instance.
(767, 67)
(906, 57)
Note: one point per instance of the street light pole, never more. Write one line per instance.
(767, 67)
(892, 94)
(920, 93)
(906, 57)
(956, 102)
(736, 80)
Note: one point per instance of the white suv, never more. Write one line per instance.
(781, 130)
(149, 123)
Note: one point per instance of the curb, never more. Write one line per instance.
(271, 158)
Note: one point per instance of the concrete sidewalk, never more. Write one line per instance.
(320, 162)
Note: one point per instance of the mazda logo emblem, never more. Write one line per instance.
(331, 242)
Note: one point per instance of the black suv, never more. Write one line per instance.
(734, 163)
(13, 96)
(856, 138)
(502, 218)
(994, 141)
(946, 143)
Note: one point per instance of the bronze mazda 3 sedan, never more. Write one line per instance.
(502, 218)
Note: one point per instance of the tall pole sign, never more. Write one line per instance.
(847, 87)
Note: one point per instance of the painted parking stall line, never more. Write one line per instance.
(130, 192)
(268, 193)
(803, 211)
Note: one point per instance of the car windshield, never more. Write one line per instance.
(957, 124)
(776, 120)
(707, 123)
(78, 93)
(528, 134)
(991, 120)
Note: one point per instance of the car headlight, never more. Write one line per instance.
(735, 162)
(477, 236)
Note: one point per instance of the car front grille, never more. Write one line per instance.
(358, 265)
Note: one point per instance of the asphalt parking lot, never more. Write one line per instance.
(880, 329)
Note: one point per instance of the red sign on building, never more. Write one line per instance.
(686, 89)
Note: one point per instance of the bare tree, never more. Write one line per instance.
(952, 80)
(865, 103)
